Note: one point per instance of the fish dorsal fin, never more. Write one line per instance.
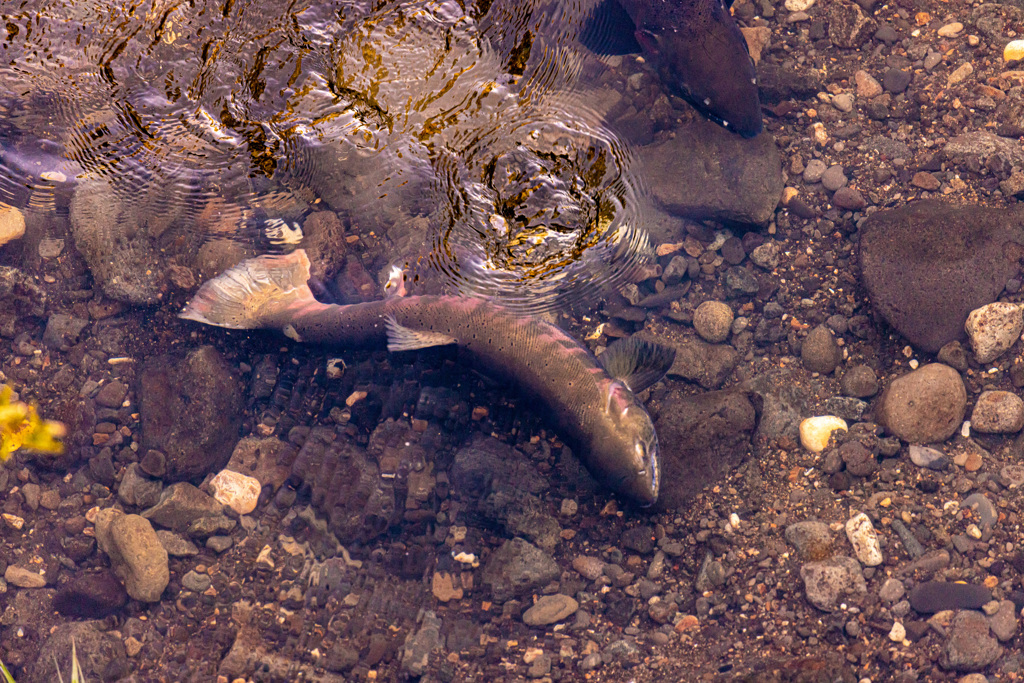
(609, 30)
(639, 363)
(401, 338)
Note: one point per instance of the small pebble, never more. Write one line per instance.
(898, 633)
(961, 73)
(550, 609)
(238, 491)
(864, 540)
(833, 178)
(998, 412)
(814, 170)
(1014, 51)
(712, 321)
(993, 329)
(951, 29)
(815, 432)
(922, 456)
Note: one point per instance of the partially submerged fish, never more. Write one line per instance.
(593, 400)
(695, 47)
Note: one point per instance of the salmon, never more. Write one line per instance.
(593, 400)
(695, 48)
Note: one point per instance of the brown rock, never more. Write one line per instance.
(929, 264)
(924, 406)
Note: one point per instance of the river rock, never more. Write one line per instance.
(935, 596)
(91, 595)
(993, 329)
(848, 25)
(518, 567)
(922, 456)
(180, 505)
(830, 582)
(815, 432)
(420, 645)
(1004, 622)
(22, 577)
(703, 437)
(117, 238)
(924, 406)
(820, 352)
(735, 179)
(238, 491)
(191, 411)
(927, 265)
(712, 321)
(860, 381)
(970, 645)
(101, 654)
(864, 540)
(707, 364)
(12, 224)
(998, 412)
(812, 540)
(135, 552)
(550, 609)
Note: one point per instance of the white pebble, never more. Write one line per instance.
(816, 431)
(951, 29)
(238, 491)
(864, 540)
(799, 5)
(820, 134)
(993, 329)
(898, 633)
(1013, 51)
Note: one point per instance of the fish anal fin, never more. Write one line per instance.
(401, 338)
(637, 362)
(609, 30)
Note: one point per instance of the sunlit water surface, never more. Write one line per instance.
(453, 131)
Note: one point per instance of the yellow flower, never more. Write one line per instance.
(21, 427)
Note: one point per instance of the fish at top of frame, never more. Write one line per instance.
(694, 46)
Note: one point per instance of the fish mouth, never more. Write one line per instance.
(638, 490)
(747, 125)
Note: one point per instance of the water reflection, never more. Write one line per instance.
(450, 132)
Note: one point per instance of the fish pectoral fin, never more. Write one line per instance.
(401, 338)
(609, 30)
(639, 363)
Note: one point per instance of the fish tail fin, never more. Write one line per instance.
(253, 293)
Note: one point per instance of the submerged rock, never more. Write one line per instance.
(935, 596)
(970, 645)
(737, 180)
(91, 595)
(518, 567)
(993, 329)
(701, 438)
(101, 654)
(191, 411)
(830, 582)
(928, 264)
(924, 406)
(135, 552)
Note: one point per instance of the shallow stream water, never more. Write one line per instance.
(452, 134)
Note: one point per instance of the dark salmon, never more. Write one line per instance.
(695, 47)
(592, 400)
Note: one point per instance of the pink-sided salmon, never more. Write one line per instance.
(593, 400)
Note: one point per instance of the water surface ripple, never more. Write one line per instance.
(453, 131)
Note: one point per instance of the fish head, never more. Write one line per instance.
(623, 446)
(701, 55)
